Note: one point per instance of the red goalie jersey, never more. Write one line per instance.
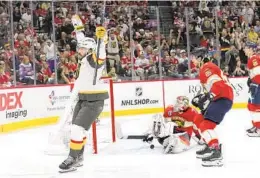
(187, 118)
(212, 78)
(253, 65)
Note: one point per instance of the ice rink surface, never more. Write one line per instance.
(22, 154)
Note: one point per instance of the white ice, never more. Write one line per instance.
(22, 154)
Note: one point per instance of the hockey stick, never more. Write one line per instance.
(120, 134)
(98, 45)
(138, 137)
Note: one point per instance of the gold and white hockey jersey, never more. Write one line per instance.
(86, 89)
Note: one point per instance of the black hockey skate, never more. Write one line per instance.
(80, 160)
(81, 157)
(253, 132)
(69, 165)
(214, 160)
(204, 151)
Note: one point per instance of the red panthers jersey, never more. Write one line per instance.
(253, 64)
(187, 118)
(212, 78)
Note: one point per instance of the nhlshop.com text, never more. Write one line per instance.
(138, 102)
(15, 114)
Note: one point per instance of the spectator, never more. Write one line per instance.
(238, 25)
(26, 17)
(49, 50)
(142, 66)
(4, 77)
(226, 71)
(112, 74)
(26, 72)
(3, 31)
(61, 76)
(17, 15)
(113, 50)
(252, 37)
(239, 70)
(257, 27)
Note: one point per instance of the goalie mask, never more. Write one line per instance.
(181, 104)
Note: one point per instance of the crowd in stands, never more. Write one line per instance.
(219, 31)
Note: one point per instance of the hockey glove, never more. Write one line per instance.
(205, 101)
(148, 138)
(100, 32)
(195, 100)
(202, 101)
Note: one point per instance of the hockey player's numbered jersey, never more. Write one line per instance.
(214, 81)
(253, 66)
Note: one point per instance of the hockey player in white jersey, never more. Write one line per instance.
(90, 96)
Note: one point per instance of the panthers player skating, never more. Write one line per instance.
(90, 97)
(253, 66)
(217, 101)
(174, 129)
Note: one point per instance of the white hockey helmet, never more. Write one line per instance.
(86, 42)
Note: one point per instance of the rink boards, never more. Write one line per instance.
(42, 105)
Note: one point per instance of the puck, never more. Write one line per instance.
(152, 146)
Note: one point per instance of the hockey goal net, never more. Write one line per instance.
(101, 133)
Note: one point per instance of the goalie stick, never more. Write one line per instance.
(133, 137)
(120, 134)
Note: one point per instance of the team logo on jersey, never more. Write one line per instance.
(208, 73)
(138, 91)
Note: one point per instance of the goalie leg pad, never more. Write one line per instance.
(88, 113)
(177, 143)
(167, 129)
(169, 144)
